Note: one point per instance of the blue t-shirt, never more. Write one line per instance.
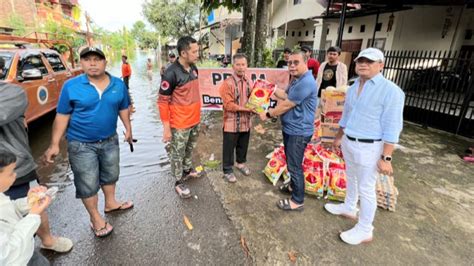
(299, 121)
(93, 117)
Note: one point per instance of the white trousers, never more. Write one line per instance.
(361, 170)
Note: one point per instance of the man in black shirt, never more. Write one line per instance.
(283, 63)
(332, 72)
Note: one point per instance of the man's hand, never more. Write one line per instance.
(166, 134)
(385, 167)
(263, 116)
(128, 136)
(336, 145)
(51, 153)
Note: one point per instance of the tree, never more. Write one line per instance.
(146, 39)
(172, 18)
(248, 25)
(261, 32)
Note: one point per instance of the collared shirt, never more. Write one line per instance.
(299, 120)
(17, 241)
(94, 113)
(377, 113)
(179, 100)
(235, 92)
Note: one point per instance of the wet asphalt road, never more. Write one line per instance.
(153, 233)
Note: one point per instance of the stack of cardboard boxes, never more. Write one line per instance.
(332, 102)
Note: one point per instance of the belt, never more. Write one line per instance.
(363, 140)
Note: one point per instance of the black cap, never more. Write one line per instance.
(91, 50)
(306, 48)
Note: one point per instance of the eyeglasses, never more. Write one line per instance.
(295, 62)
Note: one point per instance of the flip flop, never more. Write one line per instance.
(123, 207)
(244, 170)
(107, 232)
(284, 204)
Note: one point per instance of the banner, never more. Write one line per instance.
(210, 80)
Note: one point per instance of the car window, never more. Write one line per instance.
(8, 57)
(55, 62)
(32, 62)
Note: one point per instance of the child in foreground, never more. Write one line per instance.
(17, 243)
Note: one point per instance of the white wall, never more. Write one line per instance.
(291, 41)
(421, 29)
(467, 22)
(307, 9)
(356, 23)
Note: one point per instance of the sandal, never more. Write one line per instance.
(285, 188)
(230, 177)
(284, 204)
(244, 170)
(123, 207)
(104, 230)
(191, 174)
(183, 191)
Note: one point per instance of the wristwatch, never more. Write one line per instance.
(267, 114)
(387, 158)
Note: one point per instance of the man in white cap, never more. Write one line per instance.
(370, 126)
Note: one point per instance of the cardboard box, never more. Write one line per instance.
(332, 101)
(332, 117)
(329, 132)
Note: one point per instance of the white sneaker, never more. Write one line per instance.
(356, 236)
(340, 209)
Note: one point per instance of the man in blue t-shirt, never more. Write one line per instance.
(297, 107)
(88, 109)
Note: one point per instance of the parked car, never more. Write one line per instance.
(41, 73)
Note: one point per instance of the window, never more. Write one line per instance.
(292, 34)
(55, 62)
(299, 34)
(379, 43)
(297, 2)
(349, 30)
(32, 62)
(362, 28)
(327, 32)
(307, 33)
(378, 27)
(8, 61)
(286, 33)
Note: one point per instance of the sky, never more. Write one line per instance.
(113, 14)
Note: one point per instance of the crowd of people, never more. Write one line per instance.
(91, 104)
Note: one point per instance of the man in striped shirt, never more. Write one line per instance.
(235, 92)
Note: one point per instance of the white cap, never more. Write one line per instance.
(373, 54)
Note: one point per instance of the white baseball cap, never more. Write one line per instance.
(373, 54)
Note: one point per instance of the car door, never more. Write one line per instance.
(42, 91)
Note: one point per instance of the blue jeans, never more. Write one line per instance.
(294, 151)
(94, 164)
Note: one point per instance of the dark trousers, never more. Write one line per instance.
(238, 142)
(126, 81)
(294, 151)
(38, 260)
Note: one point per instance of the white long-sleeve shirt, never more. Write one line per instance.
(17, 241)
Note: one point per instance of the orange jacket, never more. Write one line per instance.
(126, 70)
(179, 100)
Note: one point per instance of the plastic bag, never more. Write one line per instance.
(276, 166)
(259, 99)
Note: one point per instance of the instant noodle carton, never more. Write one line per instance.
(332, 117)
(276, 166)
(329, 132)
(332, 101)
(259, 99)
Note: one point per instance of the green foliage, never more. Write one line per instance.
(118, 41)
(145, 38)
(59, 31)
(231, 5)
(172, 19)
(18, 24)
